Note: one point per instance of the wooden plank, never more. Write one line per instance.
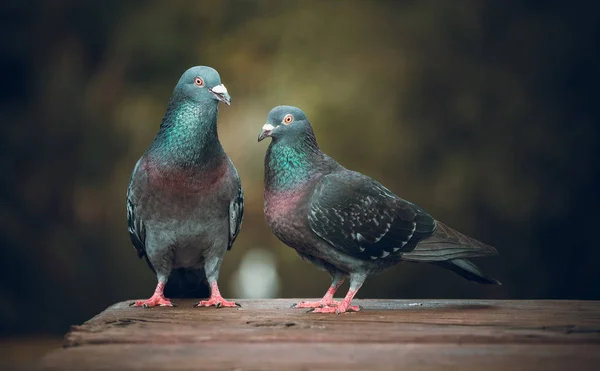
(326, 356)
(387, 334)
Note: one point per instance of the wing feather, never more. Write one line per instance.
(236, 213)
(362, 218)
(135, 225)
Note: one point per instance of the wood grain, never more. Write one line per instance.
(386, 334)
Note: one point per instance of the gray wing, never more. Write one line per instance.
(236, 213)
(135, 225)
(137, 231)
(362, 218)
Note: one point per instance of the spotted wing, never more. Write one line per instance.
(362, 218)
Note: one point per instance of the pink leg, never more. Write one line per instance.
(356, 282)
(327, 300)
(216, 299)
(343, 307)
(157, 299)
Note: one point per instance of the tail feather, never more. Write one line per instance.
(187, 283)
(468, 270)
(447, 244)
(449, 249)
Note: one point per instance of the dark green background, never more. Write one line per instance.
(482, 112)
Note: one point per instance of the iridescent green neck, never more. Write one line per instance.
(188, 134)
(290, 165)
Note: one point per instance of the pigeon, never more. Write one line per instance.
(345, 222)
(185, 202)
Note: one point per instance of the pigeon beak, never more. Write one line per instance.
(266, 131)
(220, 92)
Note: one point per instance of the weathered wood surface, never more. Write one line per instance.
(386, 334)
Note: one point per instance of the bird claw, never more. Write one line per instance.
(316, 304)
(336, 309)
(218, 302)
(152, 302)
(325, 310)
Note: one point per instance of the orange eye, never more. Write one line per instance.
(288, 119)
(198, 81)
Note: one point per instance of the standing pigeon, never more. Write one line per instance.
(185, 201)
(345, 222)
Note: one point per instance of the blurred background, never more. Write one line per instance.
(482, 112)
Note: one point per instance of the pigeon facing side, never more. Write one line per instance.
(345, 222)
(185, 201)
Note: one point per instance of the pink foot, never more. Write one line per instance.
(216, 299)
(341, 308)
(157, 299)
(317, 304)
(218, 302)
(154, 301)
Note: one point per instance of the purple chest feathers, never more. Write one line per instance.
(183, 180)
(286, 214)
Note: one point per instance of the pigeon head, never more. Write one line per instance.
(287, 123)
(202, 84)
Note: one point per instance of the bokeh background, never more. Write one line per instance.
(482, 112)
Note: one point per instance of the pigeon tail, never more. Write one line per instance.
(187, 283)
(468, 270)
(447, 244)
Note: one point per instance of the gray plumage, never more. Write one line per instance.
(346, 222)
(185, 201)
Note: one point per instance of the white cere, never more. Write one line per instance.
(219, 89)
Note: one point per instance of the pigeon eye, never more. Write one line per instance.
(288, 119)
(199, 82)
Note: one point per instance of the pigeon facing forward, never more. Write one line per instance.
(185, 201)
(345, 222)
